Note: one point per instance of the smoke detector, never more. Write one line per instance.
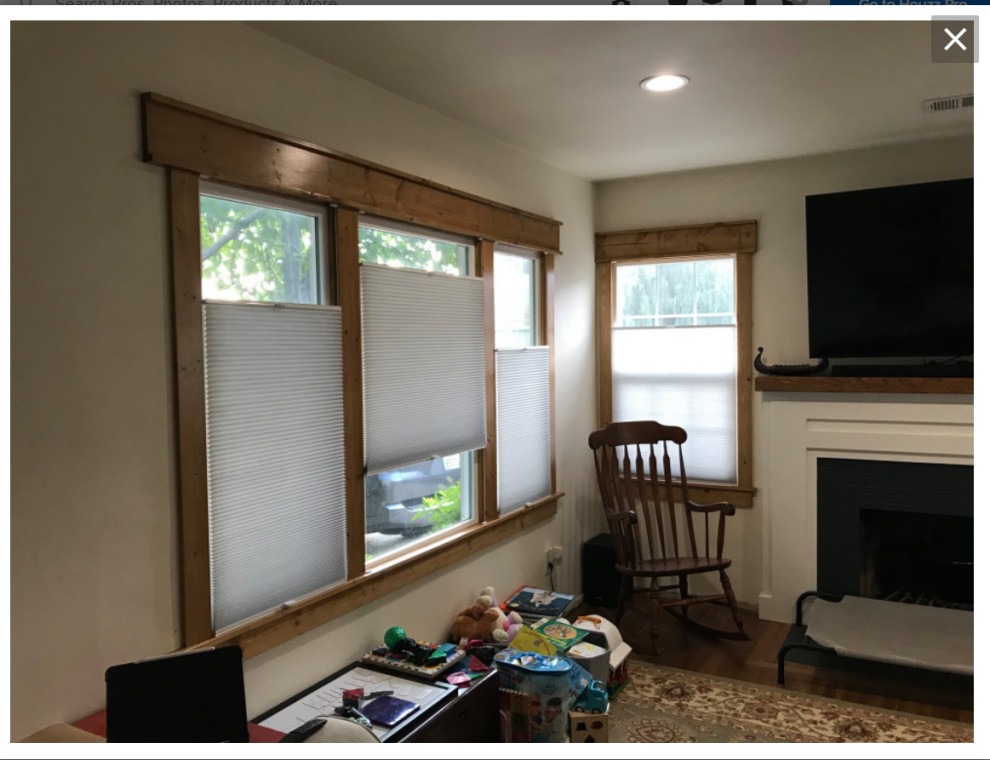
(951, 103)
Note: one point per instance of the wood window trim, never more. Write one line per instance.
(252, 163)
(190, 390)
(181, 136)
(264, 633)
(349, 292)
(488, 460)
(547, 339)
(654, 245)
(691, 240)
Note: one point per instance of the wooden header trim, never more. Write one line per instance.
(721, 237)
(181, 136)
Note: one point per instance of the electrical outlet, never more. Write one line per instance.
(555, 555)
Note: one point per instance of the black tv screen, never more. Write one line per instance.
(890, 271)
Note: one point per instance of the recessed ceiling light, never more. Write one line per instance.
(664, 83)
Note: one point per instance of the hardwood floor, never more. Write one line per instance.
(755, 661)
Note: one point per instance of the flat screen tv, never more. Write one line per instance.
(890, 271)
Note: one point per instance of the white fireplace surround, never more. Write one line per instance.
(801, 427)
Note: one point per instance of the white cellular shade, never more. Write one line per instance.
(275, 455)
(424, 365)
(523, 419)
(684, 376)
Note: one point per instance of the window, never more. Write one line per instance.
(405, 505)
(400, 246)
(674, 344)
(523, 387)
(674, 356)
(298, 319)
(676, 294)
(255, 248)
(274, 407)
(516, 298)
(425, 498)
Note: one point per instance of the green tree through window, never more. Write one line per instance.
(257, 253)
(378, 246)
(675, 293)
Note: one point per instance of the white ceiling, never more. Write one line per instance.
(567, 92)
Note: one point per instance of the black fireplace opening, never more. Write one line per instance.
(917, 558)
(900, 531)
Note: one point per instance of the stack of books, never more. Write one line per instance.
(534, 604)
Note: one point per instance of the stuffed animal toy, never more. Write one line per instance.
(513, 622)
(477, 622)
(510, 623)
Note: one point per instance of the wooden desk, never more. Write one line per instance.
(461, 715)
(471, 718)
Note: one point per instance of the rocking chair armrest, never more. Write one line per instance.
(623, 515)
(719, 506)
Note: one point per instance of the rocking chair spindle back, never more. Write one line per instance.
(640, 496)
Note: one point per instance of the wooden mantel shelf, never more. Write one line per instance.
(961, 385)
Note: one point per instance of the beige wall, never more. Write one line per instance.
(93, 496)
(773, 193)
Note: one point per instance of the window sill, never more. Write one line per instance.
(706, 493)
(276, 628)
(735, 495)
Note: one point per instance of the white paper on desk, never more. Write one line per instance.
(322, 701)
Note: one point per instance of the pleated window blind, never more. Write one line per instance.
(674, 356)
(275, 455)
(523, 424)
(683, 376)
(424, 365)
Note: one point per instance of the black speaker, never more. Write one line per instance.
(599, 579)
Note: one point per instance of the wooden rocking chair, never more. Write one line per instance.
(633, 490)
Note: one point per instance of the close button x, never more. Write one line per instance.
(954, 38)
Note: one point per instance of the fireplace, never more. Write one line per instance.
(900, 531)
(804, 435)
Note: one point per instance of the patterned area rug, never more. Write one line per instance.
(667, 705)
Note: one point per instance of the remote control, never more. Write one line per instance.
(303, 732)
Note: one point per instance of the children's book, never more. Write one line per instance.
(528, 600)
(528, 640)
(561, 634)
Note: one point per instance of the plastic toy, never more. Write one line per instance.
(588, 728)
(594, 699)
(353, 697)
(414, 651)
(605, 634)
(394, 635)
(547, 682)
(594, 659)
